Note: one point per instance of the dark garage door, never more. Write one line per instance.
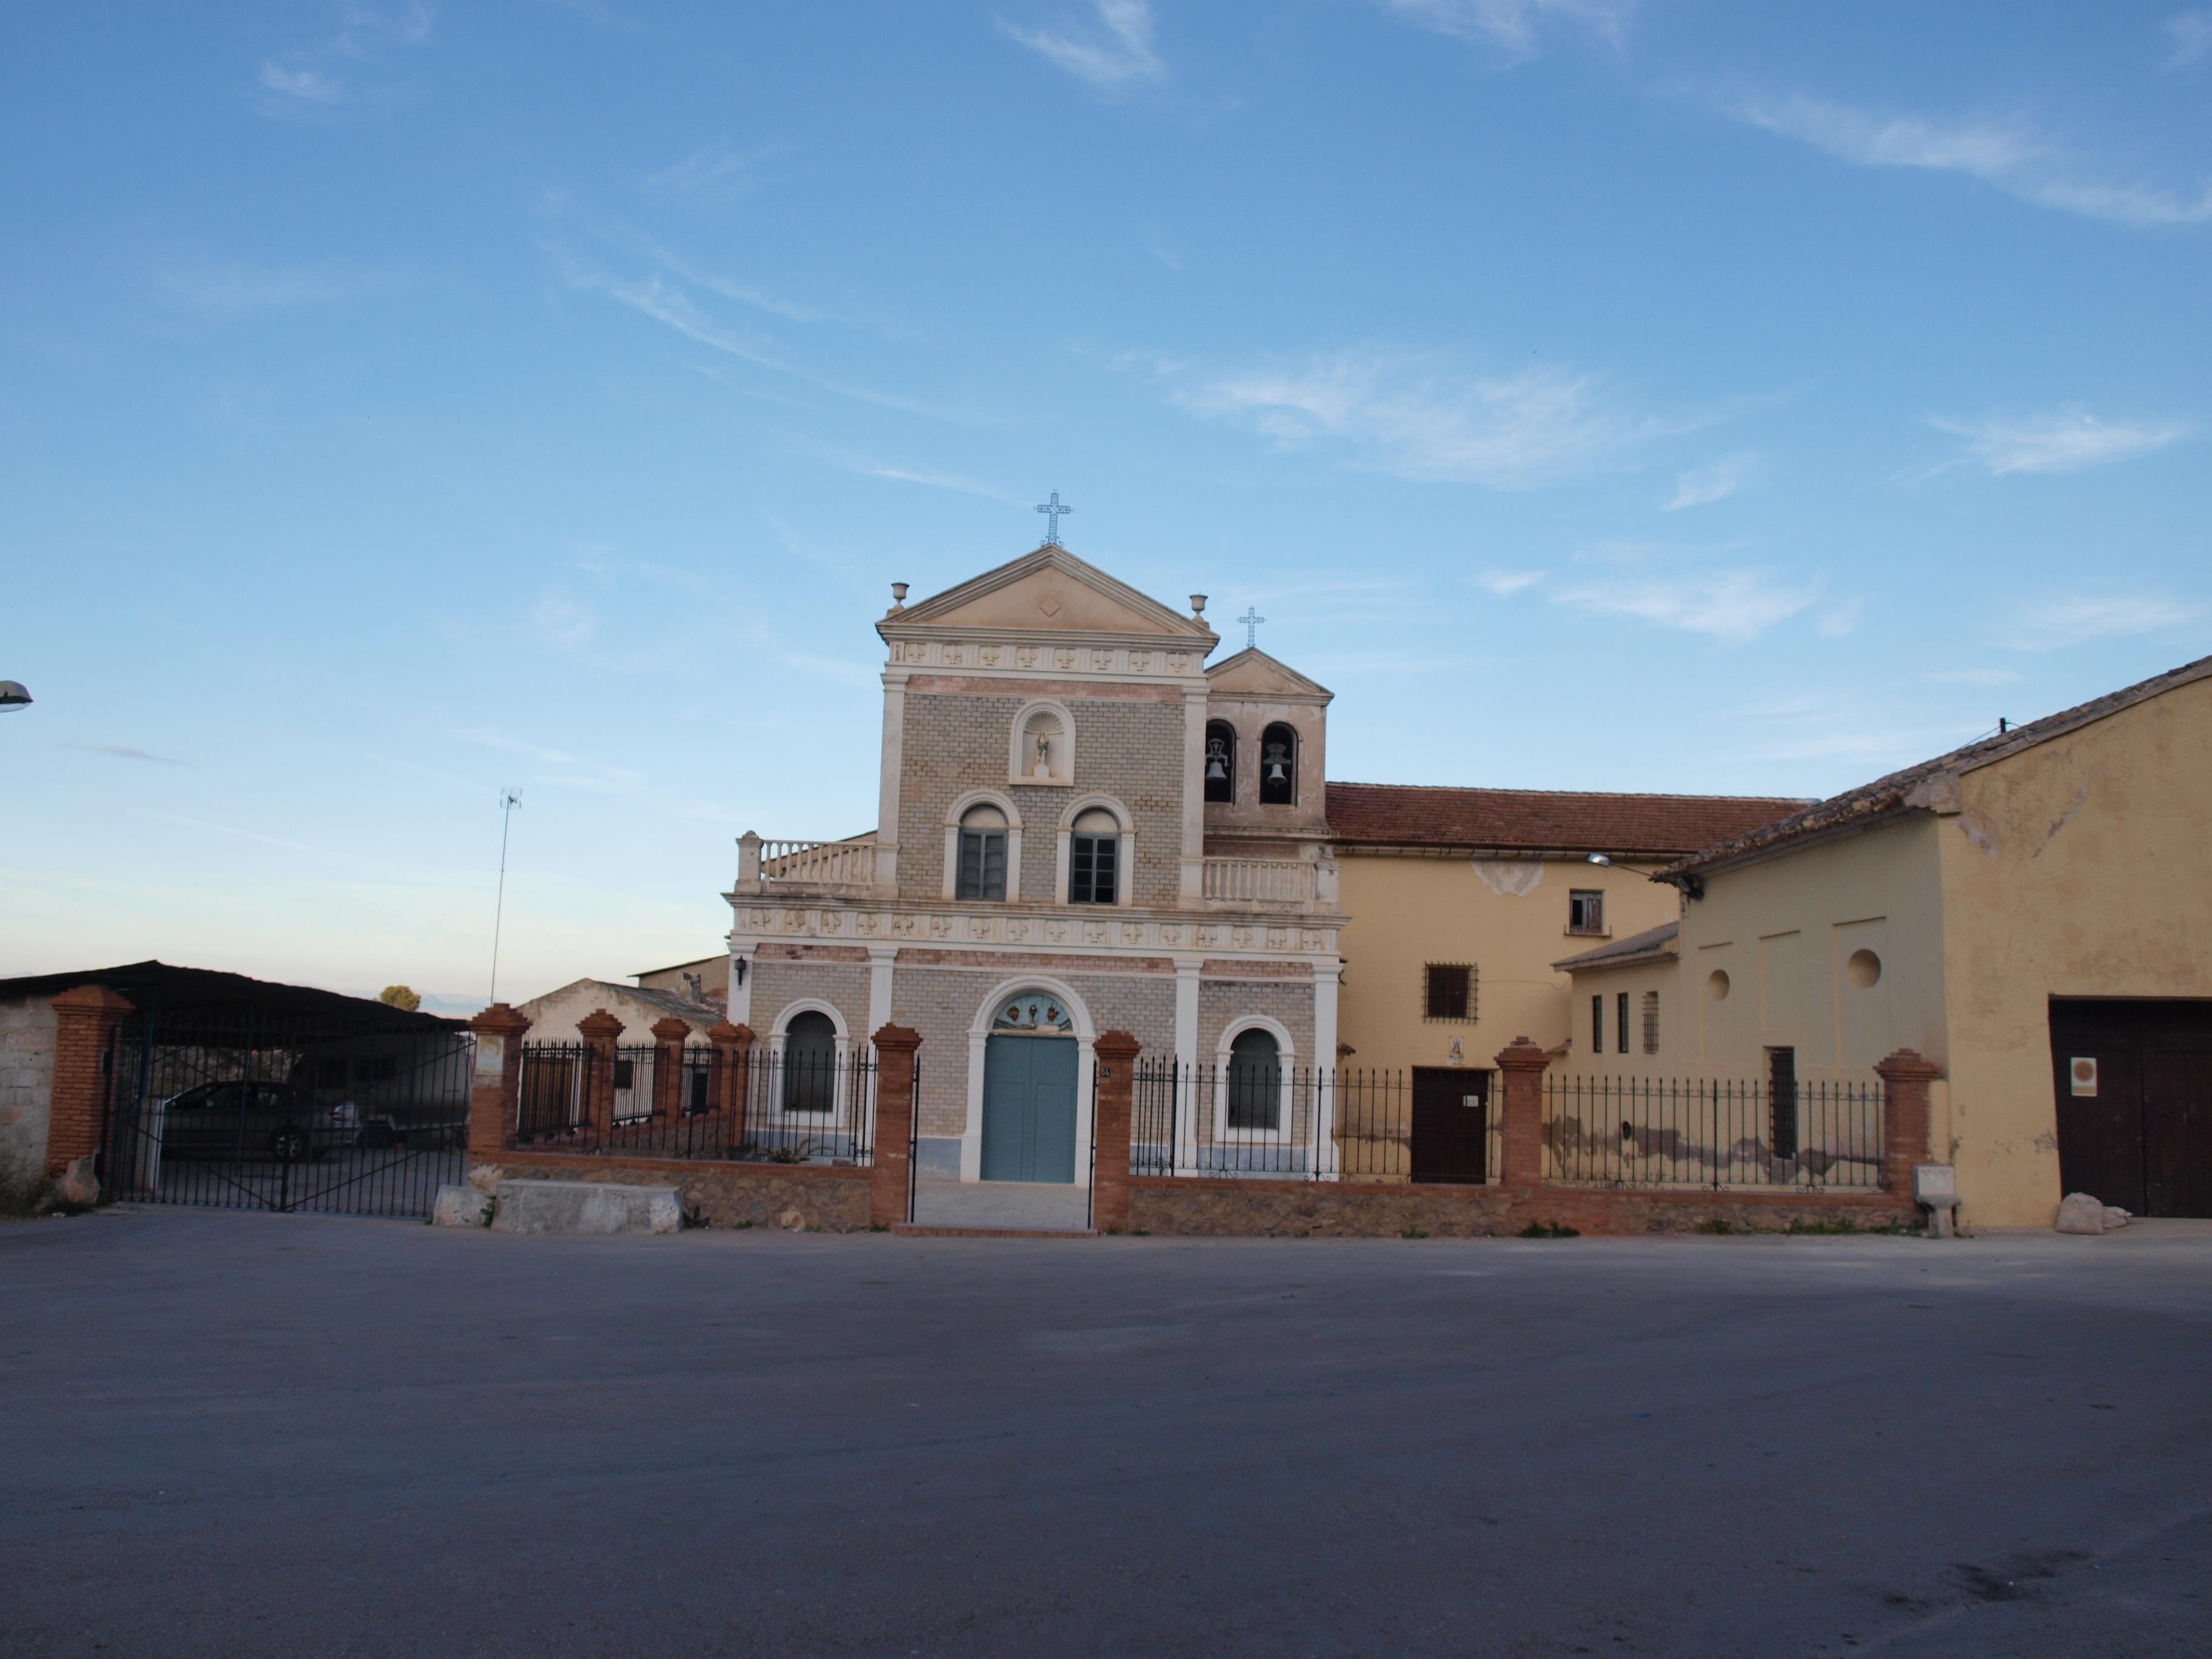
(2134, 1083)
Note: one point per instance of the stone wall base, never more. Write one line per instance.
(1363, 1210)
(824, 1200)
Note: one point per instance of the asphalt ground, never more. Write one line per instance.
(246, 1434)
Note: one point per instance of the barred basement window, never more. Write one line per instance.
(1651, 1022)
(1448, 991)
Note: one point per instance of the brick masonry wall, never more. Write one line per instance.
(1338, 1209)
(1289, 1002)
(1129, 746)
(27, 1070)
(714, 1195)
(779, 981)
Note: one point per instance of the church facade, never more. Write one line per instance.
(1082, 828)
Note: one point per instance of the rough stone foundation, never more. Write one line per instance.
(1362, 1210)
(826, 1200)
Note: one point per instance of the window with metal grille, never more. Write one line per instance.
(1782, 1102)
(1094, 856)
(982, 855)
(1651, 1022)
(1585, 911)
(1597, 1025)
(1448, 991)
(1620, 1022)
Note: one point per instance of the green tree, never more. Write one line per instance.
(398, 996)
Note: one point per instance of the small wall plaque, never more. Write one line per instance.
(2082, 1070)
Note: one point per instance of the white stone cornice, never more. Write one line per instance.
(1074, 930)
(1020, 653)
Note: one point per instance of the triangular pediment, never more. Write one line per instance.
(1049, 589)
(1253, 673)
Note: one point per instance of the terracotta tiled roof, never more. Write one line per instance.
(1913, 789)
(1543, 820)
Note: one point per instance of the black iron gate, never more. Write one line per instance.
(244, 1109)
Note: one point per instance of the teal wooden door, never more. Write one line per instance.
(1029, 1108)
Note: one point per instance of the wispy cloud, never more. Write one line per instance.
(714, 176)
(1506, 583)
(1118, 53)
(1733, 606)
(1983, 677)
(218, 287)
(2065, 440)
(2051, 621)
(310, 85)
(1513, 26)
(1404, 415)
(2007, 154)
(2192, 34)
(570, 771)
(1702, 485)
(124, 751)
(562, 620)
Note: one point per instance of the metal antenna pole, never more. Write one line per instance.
(508, 800)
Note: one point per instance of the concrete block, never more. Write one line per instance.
(460, 1206)
(586, 1207)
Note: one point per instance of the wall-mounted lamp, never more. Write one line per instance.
(1600, 859)
(13, 696)
(737, 969)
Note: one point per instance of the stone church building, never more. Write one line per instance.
(1083, 828)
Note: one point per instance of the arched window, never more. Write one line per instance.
(1255, 1081)
(810, 1063)
(1279, 766)
(1220, 761)
(983, 869)
(1094, 858)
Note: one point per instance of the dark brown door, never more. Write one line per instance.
(1449, 1109)
(2133, 1086)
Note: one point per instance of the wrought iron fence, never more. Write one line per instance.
(241, 1109)
(711, 1103)
(1712, 1132)
(1287, 1123)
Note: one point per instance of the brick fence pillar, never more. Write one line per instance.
(1110, 1128)
(733, 1063)
(1905, 1076)
(1522, 1135)
(668, 1035)
(85, 1017)
(599, 1030)
(496, 1083)
(895, 1108)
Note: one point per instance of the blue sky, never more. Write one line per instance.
(401, 401)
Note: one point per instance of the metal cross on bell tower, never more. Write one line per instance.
(1251, 619)
(1052, 510)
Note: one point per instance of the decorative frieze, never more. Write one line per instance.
(1011, 657)
(1027, 930)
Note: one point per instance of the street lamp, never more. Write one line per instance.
(13, 696)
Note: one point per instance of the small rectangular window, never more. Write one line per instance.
(1585, 911)
(1651, 1022)
(1597, 1025)
(1448, 991)
(1092, 874)
(1620, 1022)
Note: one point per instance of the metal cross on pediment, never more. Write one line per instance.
(1052, 510)
(1251, 619)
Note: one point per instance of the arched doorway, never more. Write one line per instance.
(1029, 1078)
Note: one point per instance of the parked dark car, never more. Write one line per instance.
(278, 1120)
